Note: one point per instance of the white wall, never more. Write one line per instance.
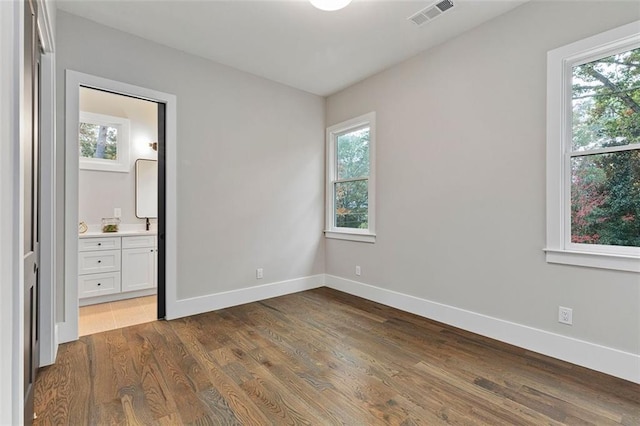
(250, 158)
(461, 179)
(99, 192)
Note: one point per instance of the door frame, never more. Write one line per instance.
(11, 193)
(68, 322)
(48, 194)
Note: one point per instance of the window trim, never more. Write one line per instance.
(332, 133)
(122, 164)
(560, 61)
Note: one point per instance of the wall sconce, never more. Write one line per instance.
(154, 145)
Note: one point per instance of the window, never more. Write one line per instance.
(593, 151)
(104, 142)
(351, 179)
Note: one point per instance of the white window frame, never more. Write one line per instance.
(331, 231)
(560, 63)
(122, 164)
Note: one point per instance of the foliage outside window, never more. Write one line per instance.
(605, 151)
(98, 141)
(350, 183)
(103, 142)
(593, 206)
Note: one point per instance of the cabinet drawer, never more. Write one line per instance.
(91, 262)
(98, 284)
(92, 244)
(139, 241)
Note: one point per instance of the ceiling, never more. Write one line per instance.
(290, 41)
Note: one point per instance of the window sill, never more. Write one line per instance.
(351, 236)
(594, 260)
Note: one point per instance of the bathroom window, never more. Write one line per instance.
(103, 142)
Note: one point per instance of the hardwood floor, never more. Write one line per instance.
(318, 357)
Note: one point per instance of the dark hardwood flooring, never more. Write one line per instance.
(318, 357)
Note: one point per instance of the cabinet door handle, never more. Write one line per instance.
(99, 244)
(99, 284)
(151, 250)
(99, 261)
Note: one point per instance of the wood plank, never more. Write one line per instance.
(157, 393)
(57, 400)
(319, 357)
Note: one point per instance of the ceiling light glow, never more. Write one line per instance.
(330, 5)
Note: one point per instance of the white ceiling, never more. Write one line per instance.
(290, 41)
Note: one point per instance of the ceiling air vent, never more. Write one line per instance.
(430, 13)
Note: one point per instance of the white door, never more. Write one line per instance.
(138, 268)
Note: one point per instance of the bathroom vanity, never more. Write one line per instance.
(115, 266)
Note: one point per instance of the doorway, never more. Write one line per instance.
(102, 265)
(117, 210)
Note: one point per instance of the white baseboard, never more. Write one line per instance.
(67, 331)
(610, 361)
(607, 360)
(117, 296)
(212, 302)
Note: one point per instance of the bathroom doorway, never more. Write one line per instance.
(117, 210)
(165, 252)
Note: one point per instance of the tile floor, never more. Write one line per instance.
(112, 315)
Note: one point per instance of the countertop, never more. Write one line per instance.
(98, 234)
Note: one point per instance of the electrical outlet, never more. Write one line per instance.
(259, 274)
(117, 212)
(565, 315)
(358, 270)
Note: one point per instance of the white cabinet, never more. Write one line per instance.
(113, 266)
(93, 262)
(93, 285)
(91, 244)
(98, 266)
(139, 263)
(139, 241)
